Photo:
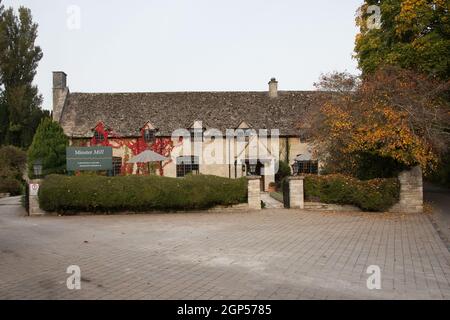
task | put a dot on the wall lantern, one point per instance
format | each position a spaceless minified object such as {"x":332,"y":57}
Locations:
{"x":252,"y":168}
{"x":37,"y":168}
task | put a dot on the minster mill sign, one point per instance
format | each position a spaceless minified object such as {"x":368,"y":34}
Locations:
{"x":89,"y":158}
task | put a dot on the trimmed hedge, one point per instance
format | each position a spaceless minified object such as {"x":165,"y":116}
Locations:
{"x":369,"y":195}
{"x":66,"y":194}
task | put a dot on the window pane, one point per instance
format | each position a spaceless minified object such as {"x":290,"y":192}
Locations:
{"x":117,"y":166}
{"x":197,"y":134}
{"x":98,"y":136}
{"x":149,"y":135}
{"x":186,"y":165}
{"x":310,"y":167}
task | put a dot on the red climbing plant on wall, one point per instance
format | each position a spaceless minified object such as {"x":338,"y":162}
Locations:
{"x":106,"y":137}
{"x":101,"y":135}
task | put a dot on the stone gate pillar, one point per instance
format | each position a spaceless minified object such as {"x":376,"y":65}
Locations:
{"x":411,"y":191}
{"x":296,"y":193}
{"x":254,"y":192}
{"x":33,"y":200}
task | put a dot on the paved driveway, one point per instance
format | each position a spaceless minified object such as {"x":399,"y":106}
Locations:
{"x":275,"y":254}
{"x":439,"y":198}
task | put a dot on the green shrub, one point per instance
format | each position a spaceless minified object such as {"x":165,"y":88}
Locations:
{"x":12,"y":166}
{"x":12,"y":158}
{"x":49,"y":146}
{"x":284,"y":170}
{"x":369,"y":195}
{"x":11,"y":186}
{"x":138,"y":193}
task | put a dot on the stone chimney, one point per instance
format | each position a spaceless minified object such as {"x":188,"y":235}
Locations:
{"x":60,"y":93}
{"x":273,"y":88}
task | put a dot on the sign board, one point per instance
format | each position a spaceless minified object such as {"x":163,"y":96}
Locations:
{"x":34,"y":189}
{"x":89,"y":158}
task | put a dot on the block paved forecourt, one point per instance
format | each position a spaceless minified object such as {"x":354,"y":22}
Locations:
{"x":272,"y":254}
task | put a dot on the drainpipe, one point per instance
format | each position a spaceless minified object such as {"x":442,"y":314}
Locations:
{"x":229,"y":157}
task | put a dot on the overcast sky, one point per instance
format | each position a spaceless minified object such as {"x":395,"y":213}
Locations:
{"x":197,"y":45}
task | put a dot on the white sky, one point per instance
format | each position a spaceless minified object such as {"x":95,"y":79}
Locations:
{"x":196,"y":45}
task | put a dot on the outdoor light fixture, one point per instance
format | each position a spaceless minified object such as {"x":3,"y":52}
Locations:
{"x":37,"y":168}
{"x":252,"y":168}
{"x":243,"y":167}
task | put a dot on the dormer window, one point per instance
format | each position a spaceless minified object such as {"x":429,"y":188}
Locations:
{"x":244,"y":131}
{"x":248,"y":132}
{"x":98,"y":135}
{"x":197,"y":131}
{"x":244,"y":134}
{"x":149,"y":135}
{"x":197,"y":134}
{"x":148,"y":132}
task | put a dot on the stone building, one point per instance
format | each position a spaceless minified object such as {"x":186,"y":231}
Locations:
{"x":134,"y":122}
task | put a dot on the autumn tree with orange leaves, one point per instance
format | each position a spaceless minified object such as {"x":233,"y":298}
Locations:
{"x":376,"y":126}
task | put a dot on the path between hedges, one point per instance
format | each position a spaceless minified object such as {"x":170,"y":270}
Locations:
{"x":272,"y":254}
{"x":270,"y":202}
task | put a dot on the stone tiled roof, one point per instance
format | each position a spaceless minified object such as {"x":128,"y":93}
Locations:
{"x":126,"y":113}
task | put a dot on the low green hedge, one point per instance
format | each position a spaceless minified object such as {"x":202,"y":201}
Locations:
{"x":66,"y":194}
{"x":369,"y":195}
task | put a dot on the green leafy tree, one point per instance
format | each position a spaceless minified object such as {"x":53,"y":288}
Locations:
{"x":49,"y":146}
{"x":3,"y":108}
{"x":414,"y":34}
{"x":20,"y":111}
